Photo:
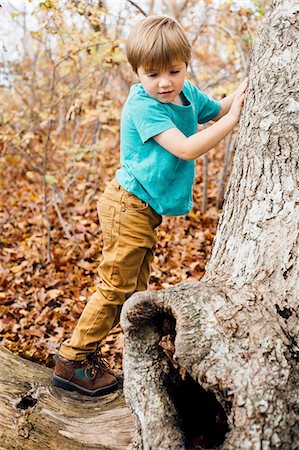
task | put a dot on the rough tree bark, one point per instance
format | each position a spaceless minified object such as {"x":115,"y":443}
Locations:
{"x":235,"y":332}
{"x":37,"y":416}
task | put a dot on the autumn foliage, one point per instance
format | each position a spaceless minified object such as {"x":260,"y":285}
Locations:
{"x":63,"y":96}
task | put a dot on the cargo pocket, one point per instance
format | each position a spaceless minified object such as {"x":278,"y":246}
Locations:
{"x":106,"y":216}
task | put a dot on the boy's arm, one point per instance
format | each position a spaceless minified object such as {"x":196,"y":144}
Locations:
{"x":192,"y":147}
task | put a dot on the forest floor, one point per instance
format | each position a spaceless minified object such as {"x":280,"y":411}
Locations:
{"x":40,"y":300}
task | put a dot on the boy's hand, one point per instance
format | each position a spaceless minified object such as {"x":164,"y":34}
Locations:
{"x":236,"y":107}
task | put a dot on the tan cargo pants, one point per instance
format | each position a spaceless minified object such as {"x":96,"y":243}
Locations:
{"x":128,"y":226}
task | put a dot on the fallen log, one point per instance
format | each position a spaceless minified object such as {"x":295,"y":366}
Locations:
{"x":36,"y":415}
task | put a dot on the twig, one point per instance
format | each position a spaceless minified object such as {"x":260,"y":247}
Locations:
{"x":138,"y":7}
{"x":95,"y":186}
{"x":82,"y":140}
{"x":234,"y":37}
{"x":59,"y":215}
{"x":96,"y":131}
{"x":58,"y":193}
{"x":45,"y":166}
{"x":70,"y":55}
{"x":71,"y":90}
{"x":194,"y":75}
{"x":72,"y":180}
{"x":30,"y":159}
{"x":45,"y":209}
{"x":177,"y":12}
{"x":211,"y":83}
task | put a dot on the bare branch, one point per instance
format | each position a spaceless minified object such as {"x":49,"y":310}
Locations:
{"x":57,"y":193}
{"x":138,"y":7}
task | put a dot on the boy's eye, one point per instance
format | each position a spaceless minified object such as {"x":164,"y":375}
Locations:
{"x":172,"y":72}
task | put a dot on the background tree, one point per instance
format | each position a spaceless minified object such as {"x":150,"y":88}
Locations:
{"x":235,"y":332}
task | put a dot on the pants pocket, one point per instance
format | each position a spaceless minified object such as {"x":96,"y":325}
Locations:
{"x":130,"y":201}
{"x":106,"y":216}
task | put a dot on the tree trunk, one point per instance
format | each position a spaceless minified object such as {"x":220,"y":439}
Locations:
{"x":36,"y":415}
{"x":235,"y":333}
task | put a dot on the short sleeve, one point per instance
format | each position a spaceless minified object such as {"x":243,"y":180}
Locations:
{"x":149,"y":117}
{"x":208,"y":108}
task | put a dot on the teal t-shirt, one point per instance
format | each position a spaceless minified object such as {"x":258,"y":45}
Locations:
{"x":149,"y":171}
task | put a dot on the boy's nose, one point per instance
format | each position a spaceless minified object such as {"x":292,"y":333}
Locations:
{"x":164,"y":82}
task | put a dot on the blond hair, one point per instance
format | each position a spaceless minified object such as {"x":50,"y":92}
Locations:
{"x":157,"y":42}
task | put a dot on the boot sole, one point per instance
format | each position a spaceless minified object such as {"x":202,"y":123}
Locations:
{"x":69,"y":386}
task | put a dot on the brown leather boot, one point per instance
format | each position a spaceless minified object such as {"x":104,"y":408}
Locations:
{"x":89,"y":377}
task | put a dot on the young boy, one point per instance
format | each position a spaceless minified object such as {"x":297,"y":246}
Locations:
{"x":159,"y":143}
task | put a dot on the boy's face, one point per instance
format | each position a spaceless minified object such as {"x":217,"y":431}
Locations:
{"x":166,"y":85}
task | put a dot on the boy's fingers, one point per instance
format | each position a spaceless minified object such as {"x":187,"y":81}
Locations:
{"x":242,"y":89}
{"x":243,"y":86}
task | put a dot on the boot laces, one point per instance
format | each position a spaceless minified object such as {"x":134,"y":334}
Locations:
{"x":95,"y":363}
